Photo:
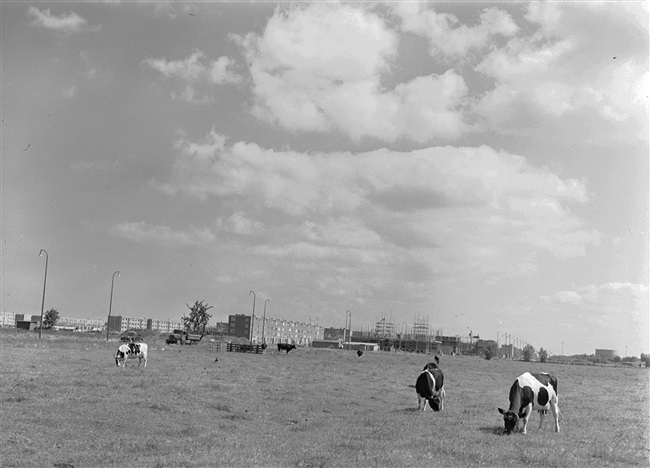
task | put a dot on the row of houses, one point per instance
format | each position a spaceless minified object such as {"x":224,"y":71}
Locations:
{"x":257,"y":329}
{"x":119,"y":323}
{"x":116,"y":323}
{"x":271,"y":330}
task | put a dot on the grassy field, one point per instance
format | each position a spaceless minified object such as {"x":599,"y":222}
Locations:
{"x":66,"y":404}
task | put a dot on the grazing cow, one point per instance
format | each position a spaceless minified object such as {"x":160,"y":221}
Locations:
{"x":531,"y":392}
{"x":138,"y":350}
{"x":359,"y":353}
{"x":430,"y":387}
{"x":286,"y":347}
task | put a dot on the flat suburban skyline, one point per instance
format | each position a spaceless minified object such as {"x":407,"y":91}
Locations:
{"x":480,"y":165}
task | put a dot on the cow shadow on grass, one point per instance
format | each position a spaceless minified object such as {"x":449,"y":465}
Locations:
{"x":494,"y":430}
{"x":410,"y":409}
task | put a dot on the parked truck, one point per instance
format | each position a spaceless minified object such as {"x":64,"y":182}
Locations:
{"x":182,"y":337}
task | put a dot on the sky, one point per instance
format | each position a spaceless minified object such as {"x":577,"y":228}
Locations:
{"x":482,"y":167}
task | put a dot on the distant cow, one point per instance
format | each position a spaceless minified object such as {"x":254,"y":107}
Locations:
{"x":531,"y":392}
{"x":430,"y":387}
{"x":359,"y":353}
{"x":286,"y":347}
{"x":134,"y":350}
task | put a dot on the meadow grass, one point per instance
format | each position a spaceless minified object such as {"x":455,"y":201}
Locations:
{"x":65,"y":403}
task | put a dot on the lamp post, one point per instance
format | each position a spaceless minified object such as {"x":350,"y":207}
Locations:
{"x":264,"y":321}
{"x":348,"y":326}
{"x":40,"y":329}
{"x":253,"y":319}
{"x":110,"y":304}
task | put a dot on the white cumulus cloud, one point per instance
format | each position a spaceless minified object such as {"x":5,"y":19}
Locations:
{"x":303,"y":81}
{"x":443,"y":207}
{"x":446,"y":35}
{"x":66,"y":23}
{"x":196,"y":73}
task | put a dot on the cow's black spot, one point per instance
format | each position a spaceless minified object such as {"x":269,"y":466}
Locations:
{"x":542,"y":397}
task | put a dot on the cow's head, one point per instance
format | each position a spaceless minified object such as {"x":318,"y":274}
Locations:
{"x":118,"y":357}
{"x":510,"y":420}
{"x":435,"y":402}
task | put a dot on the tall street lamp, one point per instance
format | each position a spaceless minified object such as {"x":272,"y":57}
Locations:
{"x":348,"y":326}
{"x":110,"y":305}
{"x":264,"y":321}
{"x":253,"y":319}
{"x":40,"y":329}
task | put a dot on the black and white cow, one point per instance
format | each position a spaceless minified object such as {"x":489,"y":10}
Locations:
{"x":359,"y":353}
{"x":531,"y":392}
{"x":134,"y":350}
{"x":286,"y":347}
{"x":430,"y":387}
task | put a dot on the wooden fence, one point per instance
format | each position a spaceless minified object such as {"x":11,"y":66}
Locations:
{"x":246,"y":348}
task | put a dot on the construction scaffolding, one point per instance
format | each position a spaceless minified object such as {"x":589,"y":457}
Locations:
{"x":420,"y":326}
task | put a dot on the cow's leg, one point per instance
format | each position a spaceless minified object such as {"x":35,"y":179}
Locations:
{"x":556,"y":415}
{"x":541,"y":418}
{"x":145,"y":360}
{"x":526,"y":412}
{"x":442,"y":399}
{"x":420,"y":400}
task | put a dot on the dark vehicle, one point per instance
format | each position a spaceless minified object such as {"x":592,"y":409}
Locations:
{"x":131,"y":336}
{"x":182,"y":337}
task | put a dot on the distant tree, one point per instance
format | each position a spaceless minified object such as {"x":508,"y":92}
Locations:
{"x":543,"y":355}
{"x":198,"y":318}
{"x":528,"y":353}
{"x":490,"y":351}
{"x":50,"y":318}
